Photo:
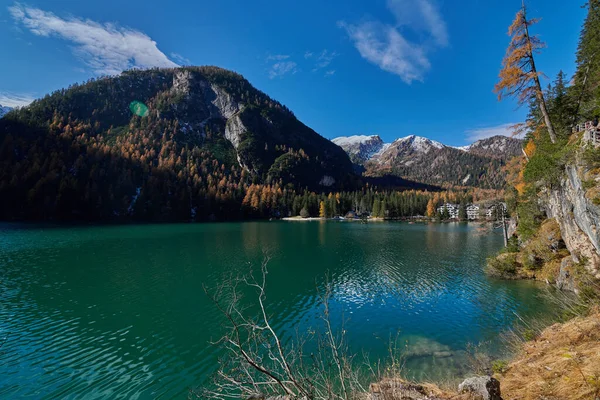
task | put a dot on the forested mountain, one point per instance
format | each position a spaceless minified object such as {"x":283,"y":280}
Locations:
{"x":424,"y":160}
{"x":158,"y":144}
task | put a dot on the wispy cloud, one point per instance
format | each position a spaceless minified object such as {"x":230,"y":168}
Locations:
{"x":180,"y":59}
{"x":277,"y":57}
{"x":324,"y":59}
{"x":420,"y":16}
{"x":105,"y":48}
{"x":15,"y":99}
{"x":388,"y":45}
{"x":285,"y":64}
{"x":282,"y":68}
{"x":483,"y":133}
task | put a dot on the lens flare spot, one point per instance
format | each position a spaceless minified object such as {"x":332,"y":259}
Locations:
{"x":139,"y":108}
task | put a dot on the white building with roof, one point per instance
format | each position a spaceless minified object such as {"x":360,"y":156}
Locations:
{"x":473,"y":211}
{"x":452,"y":209}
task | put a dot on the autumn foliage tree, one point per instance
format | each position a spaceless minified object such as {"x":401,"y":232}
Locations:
{"x":430,"y":208}
{"x":519,"y":76}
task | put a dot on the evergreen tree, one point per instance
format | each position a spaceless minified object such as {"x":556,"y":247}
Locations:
{"x":561,"y":105}
{"x":376,"y":207}
{"x":462,"y":211}
{"x":445,"y":214}
{"x":587,"y":77}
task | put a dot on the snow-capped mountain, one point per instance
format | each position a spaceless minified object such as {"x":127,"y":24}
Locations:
{"x":4,"y":110}
{"x":363,"y":148}
{"x":495,"y":147}
{"x":360,"y":148}
{"x":429,"y":161}
{"x":405,"y":150}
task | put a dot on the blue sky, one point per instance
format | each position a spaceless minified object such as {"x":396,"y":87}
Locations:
{"x":388,"y":67}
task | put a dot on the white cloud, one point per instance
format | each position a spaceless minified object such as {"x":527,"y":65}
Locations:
{"x":180,"y":59}
{"x":483,"y":133}
{"x":15,"y":100}
{"x":387,"y":45}
{"x":308,"y":54}
{"x":331,"y":72}
{"x":282,"y":68}
{"x":277,"y":57}
{"x":105,"y":48}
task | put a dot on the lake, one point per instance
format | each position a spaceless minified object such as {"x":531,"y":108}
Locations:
{"x":120,"y":311}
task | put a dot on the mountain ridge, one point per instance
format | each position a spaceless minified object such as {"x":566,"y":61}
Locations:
{"x":424,"y":160}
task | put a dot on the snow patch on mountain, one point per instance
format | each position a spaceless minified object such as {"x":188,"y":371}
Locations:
{"x":360,"y":148}
{"x":4,"y":110}
{"x":420,"y":143}
{"x":382,"y":150}
{"x":353,"y":140}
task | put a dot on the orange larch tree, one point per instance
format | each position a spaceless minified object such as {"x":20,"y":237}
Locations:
{"x":519,"y":76}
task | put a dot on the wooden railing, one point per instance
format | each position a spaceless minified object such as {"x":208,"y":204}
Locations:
{"x":591,"y":132}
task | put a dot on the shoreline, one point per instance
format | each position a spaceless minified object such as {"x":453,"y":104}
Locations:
{"x":413,"y":220}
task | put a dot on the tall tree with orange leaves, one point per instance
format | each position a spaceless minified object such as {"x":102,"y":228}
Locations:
{"x":519,"y":76}
{"x":430,"y":208}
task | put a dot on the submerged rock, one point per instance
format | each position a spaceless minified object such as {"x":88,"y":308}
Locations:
{"x":485,"y":386}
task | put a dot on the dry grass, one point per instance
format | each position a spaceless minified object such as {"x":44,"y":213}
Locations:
{"x":563,"y":363}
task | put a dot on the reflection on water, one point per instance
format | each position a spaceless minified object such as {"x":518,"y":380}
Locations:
{"x":102,"y":312}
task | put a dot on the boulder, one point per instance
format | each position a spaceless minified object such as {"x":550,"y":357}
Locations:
{"x":485,"y":386}
{"x":398,"y":389}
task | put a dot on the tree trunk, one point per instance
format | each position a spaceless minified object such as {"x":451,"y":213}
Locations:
{"x":504,"y":230}
{"x":540,"y":93}
{"x":544,"y":111}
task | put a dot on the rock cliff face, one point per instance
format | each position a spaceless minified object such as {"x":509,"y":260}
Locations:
{"x":578,"y":218}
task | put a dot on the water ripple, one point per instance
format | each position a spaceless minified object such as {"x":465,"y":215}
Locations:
{"x":119,"y":312}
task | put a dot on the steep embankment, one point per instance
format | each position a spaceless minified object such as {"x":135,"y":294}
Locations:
{"x":565,"y":248}
{"x":577,"y":213}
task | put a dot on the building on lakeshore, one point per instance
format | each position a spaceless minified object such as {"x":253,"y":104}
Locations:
{"x":473,"y":212}
{"x":452,"y":210}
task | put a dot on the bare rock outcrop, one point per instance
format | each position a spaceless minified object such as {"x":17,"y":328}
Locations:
{"x":577,"y":216}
